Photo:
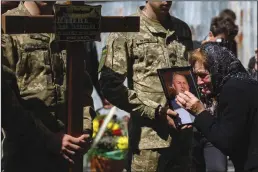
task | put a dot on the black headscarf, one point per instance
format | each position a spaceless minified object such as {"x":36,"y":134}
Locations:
{"x":223,"y":65}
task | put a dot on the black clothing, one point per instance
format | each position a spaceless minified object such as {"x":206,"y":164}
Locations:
{"x":236,"y":129}
{"x":206,"y":157}
{"x":26,"y":133}
{"x":233,"y":48}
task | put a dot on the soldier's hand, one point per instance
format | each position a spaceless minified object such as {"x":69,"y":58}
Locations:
{"x":170,"y":120}
{"x":72,"y":146}
{"x":169,"y":115}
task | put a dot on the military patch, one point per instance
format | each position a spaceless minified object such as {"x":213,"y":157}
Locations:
{"x":103,"y":58}
{"x":36,"y":46}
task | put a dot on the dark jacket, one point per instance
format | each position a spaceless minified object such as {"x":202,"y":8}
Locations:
{"x":25,"y":131}
{"x":235,"y":131}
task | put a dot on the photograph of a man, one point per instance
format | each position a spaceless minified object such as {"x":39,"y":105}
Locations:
{"x":180,"y":85}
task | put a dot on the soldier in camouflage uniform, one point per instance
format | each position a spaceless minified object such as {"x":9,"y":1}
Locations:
{"x":39,"y":64}
{"x":162,"y":42}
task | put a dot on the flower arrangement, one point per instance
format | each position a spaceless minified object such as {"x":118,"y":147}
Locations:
{"x":113,"y":144}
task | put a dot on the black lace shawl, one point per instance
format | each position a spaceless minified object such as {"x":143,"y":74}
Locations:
{"x":223,"y":65}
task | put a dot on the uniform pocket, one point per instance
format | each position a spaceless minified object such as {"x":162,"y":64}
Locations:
{"x":146,"y":160}
{"x":33,"y":65}
{"x":176,"y":52}
{"x":146,"y":51}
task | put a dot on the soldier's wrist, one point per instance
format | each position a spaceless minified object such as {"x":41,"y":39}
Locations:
{"x":157,"y":111}
{"x":160,"y":111}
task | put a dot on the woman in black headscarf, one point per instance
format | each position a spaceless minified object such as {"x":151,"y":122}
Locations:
{"x":234,"y":131}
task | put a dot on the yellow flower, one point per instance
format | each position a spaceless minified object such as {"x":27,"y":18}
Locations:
{"x":115,"y":126}
{"x":95,"y":125}
{"x":122,"y":143}
{"x":94,"y":134}
{"x":110,"y":124}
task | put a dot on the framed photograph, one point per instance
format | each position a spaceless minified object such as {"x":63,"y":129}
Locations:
{"x":175,"y":80}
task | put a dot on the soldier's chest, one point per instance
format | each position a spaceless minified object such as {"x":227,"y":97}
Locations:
{"x":37,"y":53}
{"x":159,"y":51}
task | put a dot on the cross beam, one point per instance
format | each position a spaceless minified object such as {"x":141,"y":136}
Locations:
{"x":45,"y":24}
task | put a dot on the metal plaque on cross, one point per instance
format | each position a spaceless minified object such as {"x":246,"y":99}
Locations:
{"x":77,"y":23}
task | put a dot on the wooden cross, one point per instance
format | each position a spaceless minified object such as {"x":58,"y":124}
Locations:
{"x":75,"y":54}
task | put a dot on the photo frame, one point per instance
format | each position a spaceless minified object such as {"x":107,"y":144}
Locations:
{"x":175,"y":80}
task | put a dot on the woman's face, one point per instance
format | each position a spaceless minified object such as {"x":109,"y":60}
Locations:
{"x":203,"y":78}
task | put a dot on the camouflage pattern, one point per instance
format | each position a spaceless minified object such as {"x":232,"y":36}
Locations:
{"x":137,"y":56}
{"x":162,"y":160}
{"x":146,"y":160}
{"x":39,"y":64}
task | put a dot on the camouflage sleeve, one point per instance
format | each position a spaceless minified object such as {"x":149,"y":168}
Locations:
{"x":113,"y":68}
{"x":9,"y":52}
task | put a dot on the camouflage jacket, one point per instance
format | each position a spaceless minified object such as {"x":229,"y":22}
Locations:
{"x":137,"y":56}
{"x":39,"y":63}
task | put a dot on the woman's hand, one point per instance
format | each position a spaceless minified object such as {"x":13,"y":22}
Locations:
{"x":188,"y":101}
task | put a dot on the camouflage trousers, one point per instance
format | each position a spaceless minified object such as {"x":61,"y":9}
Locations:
{"x":176,"y":158}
